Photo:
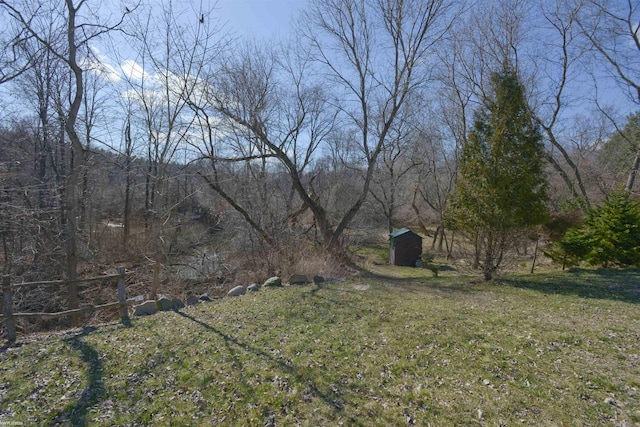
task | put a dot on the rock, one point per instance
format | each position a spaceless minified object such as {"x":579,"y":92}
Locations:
{"x":205,"y":298}
{"x":273,"y":282}
{"x":237,"y":291}
{"x":146,"y":308}
{"x":298,"y":279}
{"x":254,"y":287}
{"x":192,"y":300}
{"x":165,"y":303}
{"x":177,"y":304}
{"x":318,"y":279}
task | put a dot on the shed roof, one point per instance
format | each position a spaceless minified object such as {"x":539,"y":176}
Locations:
{"x":400,"y":232}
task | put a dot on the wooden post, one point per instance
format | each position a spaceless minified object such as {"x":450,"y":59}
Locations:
{"x":122,"y":296}
{"x":8,"y":309}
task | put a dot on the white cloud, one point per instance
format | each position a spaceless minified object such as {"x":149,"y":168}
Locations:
{"x":98,"y":63}
{"x":132,"y":70}
{"x":108,"y":72}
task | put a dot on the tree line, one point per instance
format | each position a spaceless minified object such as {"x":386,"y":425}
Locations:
{"x":156,"y":121}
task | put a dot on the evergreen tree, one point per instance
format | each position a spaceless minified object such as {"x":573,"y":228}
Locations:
{"x":501,"y":188}
{"x":609,"y":236}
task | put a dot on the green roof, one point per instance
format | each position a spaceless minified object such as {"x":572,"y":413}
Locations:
{"x":399,"y":232}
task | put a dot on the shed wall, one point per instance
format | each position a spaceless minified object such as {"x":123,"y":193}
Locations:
{"x":406,"y":250}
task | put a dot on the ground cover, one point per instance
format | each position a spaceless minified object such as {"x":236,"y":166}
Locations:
{"x":379,"y":349}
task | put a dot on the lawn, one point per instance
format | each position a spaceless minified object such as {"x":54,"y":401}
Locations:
{"x":544,"y":349}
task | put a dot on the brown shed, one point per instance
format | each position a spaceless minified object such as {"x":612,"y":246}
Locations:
{"x":405,"y":247}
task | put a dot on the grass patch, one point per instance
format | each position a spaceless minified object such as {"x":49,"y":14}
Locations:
{"x":374,"y":254}
{"x":555,"y":349}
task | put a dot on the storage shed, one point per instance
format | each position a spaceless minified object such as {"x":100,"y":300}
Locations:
{"x":405,"y":247}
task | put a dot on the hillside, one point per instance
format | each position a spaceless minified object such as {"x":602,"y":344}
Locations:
{"x":561,"y":349}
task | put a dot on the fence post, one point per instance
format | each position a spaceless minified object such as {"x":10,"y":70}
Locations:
{"x":8,"y":309}
{"x":122,"y":296}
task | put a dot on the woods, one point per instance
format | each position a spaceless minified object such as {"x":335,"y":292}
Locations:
{"x":152,"y":134}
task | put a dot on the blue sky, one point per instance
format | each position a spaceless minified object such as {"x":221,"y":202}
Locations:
{"x":259,"y":18}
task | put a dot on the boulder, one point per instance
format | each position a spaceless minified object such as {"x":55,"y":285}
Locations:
{"x":318,"y":279}
{"x":273,"y":282}
{"x":177,"y":303}
{"x":254,"y":287}
{"x":146,"y":308}
{"x":165,"y":303}
{"x":237,"y":291}
{"x":192,"y":300}
{"x":298,"y":279}
{"x":205,"y":298}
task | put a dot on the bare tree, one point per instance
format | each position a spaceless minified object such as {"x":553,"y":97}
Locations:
{"x":13,"y":62}
{"x":35,"y":21}
{"x":38,"y":85}
{"x":29,"y":231}
{"x":171,"y":54}
{"x":256,"y":109}
{"x":435,"y":181}
{"x":553,"y":85}
{"x":374,"y":54}
{"x":92,"y":114}
{"x":613,"y":32}
{"x":401,"y":155}
{"x":37,"y":91}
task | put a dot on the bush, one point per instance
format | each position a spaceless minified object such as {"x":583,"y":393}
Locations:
{"x":609,"y":236}
{"x":571,"y":250}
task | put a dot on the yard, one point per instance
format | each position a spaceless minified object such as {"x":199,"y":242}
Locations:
{"x":379,"y":349}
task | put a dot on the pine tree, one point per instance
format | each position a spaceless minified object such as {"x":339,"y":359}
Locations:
{"x":501,"y":188}
{"x":609,"y":236}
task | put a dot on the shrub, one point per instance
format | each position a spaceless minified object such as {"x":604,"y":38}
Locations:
{"x":609,"y":236}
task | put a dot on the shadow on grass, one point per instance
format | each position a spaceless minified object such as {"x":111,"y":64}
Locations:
{"x":332,"y":300}
{"x":331,"y":398}
{"x":76,"y":413}
{"x":611,"y":284}
{"x":450,"y":285}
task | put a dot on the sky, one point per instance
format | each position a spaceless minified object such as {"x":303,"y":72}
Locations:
{"x":260,"y":18}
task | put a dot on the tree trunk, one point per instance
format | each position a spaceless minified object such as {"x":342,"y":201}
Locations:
{"x":127,"y":203}
{"x":83,"y":224}
{"x":634,"y":171}
{"x":71,"y":202}
{"x":489,"y":260}
{"x":535,"y":256}
{"x":563,"y":174}
{"x":70,"y":207}
{"x":414,"y":205}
